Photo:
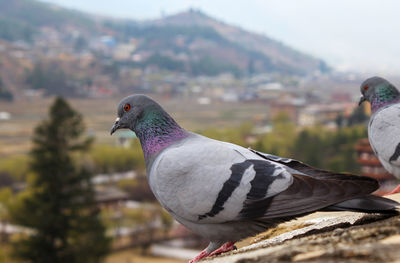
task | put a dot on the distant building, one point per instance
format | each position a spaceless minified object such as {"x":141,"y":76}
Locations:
{"x":341,"y":97}
{"x":372,"y":167}
{"x":123,"y":52}
{"x":290,"y":107}
{"x":324,"y":113}
{"x":271,"y":91}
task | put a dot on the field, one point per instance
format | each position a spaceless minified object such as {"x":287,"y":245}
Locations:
{"x":99,"y":115}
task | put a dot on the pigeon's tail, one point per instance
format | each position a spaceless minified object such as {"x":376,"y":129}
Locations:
{"x":360,"y":187}
{"x":367,"y":204}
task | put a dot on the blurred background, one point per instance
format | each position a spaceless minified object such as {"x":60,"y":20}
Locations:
{"x":281,"y":77}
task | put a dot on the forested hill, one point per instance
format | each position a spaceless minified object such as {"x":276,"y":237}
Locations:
{"x":264,"y":48}
{"x":190,"y":41}
{"x":22,"y":19}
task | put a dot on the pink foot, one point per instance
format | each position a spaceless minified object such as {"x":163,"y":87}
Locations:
{"x":395,"y":191}
{"x":228,"y":246}
{"x":202,"y":255}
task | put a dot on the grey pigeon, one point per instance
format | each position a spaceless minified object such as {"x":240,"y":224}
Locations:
{"x":384,"y":124}
{"x":225,"y":192}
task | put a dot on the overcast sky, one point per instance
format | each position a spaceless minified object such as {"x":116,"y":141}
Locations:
{"x":361,"y":35}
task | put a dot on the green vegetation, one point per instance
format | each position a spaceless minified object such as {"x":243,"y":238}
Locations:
{"x":31,"y":14}
{"x":59,"y":204}
{"x":101,"y":158}
{"x":317,"y":146}
{"x":109,"y":159}
{"x":13,"y":29}
{"x":331,"y":150}
{"x":233,"y":135}
{"x":165,"y":62}
{"x":17,"y":167}
{"x":358,"y":116}
{"x":21,"y":19}
{"x":51,"y":78}
{"x":281,"y":140}
{"x":211,"y":67}
{"x":164,"y":33}
{"x":4,"y":93}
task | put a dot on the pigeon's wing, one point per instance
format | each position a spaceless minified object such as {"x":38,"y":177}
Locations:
{"x":384,"y":134}
{"x":305,"y":195}
{"x":312,"y":189}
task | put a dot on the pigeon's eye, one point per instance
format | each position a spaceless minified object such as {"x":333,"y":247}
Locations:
{"x":365,"y":88}
{"x":127,"y":107}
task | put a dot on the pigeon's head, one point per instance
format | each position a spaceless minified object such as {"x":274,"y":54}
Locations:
{"x":377,"y":89}
{"x":131,"y":109}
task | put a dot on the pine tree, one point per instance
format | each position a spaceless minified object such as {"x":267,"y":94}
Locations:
{"x":59,"y":206}
{"x":4,"y":93}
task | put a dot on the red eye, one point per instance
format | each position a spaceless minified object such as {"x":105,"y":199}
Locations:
{"x":127,"y":107}
{"x":365,"y":88}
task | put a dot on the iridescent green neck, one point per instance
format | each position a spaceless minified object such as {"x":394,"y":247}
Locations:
{"x":384,"y":95}
{"x":156,"y":131}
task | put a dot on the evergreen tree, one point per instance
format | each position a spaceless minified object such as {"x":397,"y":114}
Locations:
{"x":50,"y":78}
{"x":358,"y":116}
{"x":59,"y":205}
{"x":4,"y":93}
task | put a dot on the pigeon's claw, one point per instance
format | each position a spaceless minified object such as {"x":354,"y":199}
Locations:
{"x":228,"y":246}
{"x":202,"y":255}
{"x":395,"y":191}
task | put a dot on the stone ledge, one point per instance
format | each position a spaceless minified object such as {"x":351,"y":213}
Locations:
{"x":325,"y":237}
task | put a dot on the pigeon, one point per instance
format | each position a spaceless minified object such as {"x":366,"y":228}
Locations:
{"x":384,"y":123}
{"x":225,"y":192}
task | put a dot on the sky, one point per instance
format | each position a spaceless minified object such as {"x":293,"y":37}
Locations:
{"x":355,"y":35}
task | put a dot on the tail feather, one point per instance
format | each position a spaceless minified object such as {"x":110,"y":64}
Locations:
{"x":367,"y":204}
{"x":358,"y":190}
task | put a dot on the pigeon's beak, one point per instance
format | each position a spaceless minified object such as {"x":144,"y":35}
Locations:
{"x":362,"y":99}
{"x":116,"y":126}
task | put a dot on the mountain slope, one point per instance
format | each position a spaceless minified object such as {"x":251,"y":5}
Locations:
{"x":21,"y":19}
{"x":191,"y":41}
{"x":282,"y":56}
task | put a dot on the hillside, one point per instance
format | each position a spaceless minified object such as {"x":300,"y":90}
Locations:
{"x":22,"y":19}
{"x":190,"y":42}
{"x":201,"y":44}
{"x":280,"y":56}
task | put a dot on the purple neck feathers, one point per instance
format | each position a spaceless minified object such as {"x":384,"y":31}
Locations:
{"x":157,"y":131}
{"x":376,"y":104}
